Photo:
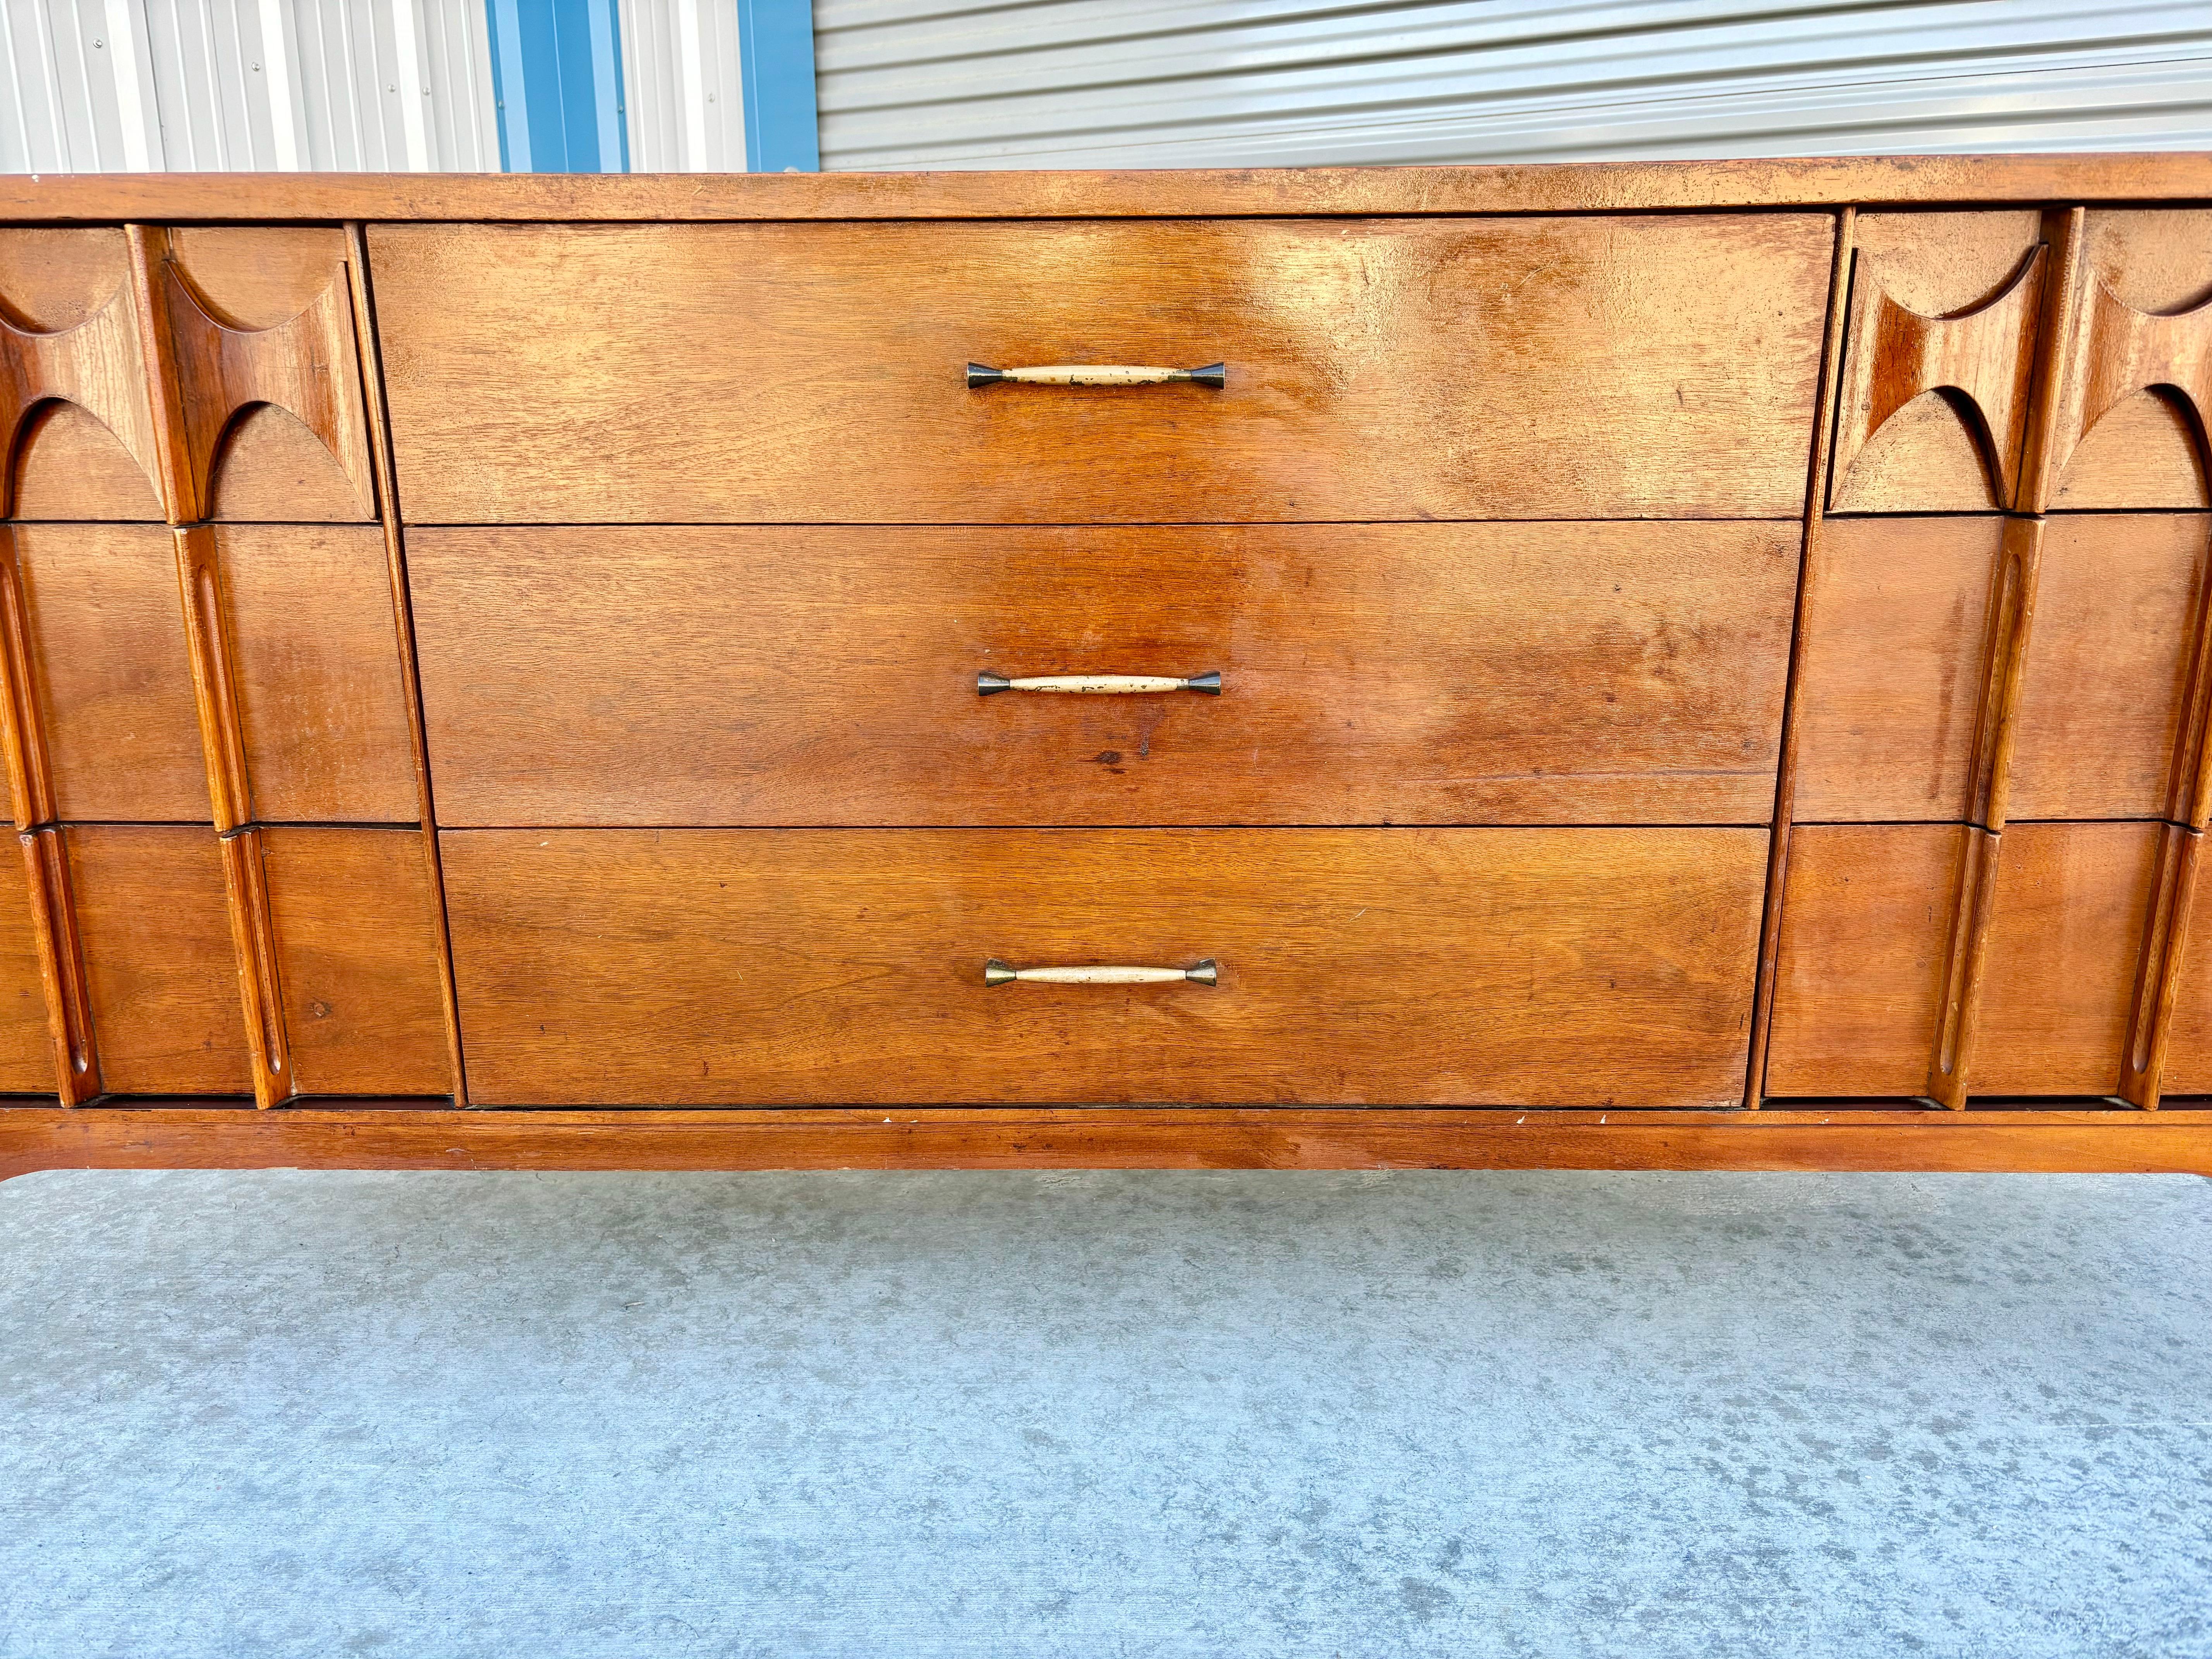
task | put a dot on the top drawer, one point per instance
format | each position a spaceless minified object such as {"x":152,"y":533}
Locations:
{"x":1629,"y":366}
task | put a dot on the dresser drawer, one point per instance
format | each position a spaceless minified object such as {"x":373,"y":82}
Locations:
{"x":1867,"y":926}
{"x":1536,"y":967}
{"x":1598,"y":366}
{"x":1897,"y":642}
{"x":1397,"y":673}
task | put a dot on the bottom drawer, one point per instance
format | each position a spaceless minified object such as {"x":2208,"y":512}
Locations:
{"x":161,"y":971}
{"x":1395,"y":966}
{"x":1867,"y":926}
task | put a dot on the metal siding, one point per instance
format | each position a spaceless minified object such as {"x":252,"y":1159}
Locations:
{"x":263,"y":85}
{"x":683,"y":86}
{"x":1150,"y":83}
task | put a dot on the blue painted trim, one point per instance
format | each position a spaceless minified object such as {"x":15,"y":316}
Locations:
{"x":775,"y":46}
{"x":507,"y":48}
{"x":556,"y":78}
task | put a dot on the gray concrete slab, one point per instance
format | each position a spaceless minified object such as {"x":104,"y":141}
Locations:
{"x":1104,"y":1415}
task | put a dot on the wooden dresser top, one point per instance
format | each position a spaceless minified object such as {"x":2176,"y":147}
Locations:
{"x":1581,"y":187}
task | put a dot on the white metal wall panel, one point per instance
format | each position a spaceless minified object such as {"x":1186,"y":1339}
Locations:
{"x":1150,"y":83}
{"x":261,"y":85}
{"x":683,"y":86}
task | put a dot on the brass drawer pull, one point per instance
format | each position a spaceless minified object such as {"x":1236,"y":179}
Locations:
{"x":996,"y":972}
{"x":1214,"y":375}
{"x":1100,"y":684}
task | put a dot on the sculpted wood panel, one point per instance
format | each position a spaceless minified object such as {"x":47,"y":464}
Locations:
{"x":1866,"y":928}
{"x":1589,"y":674}
{"x":2137,"y":389}
{"x":111,"y":684}
{"x":676,"y":967}
{"x":363,"y":1010}
{"x":76,"y":430}
{"x":1939,"y":357}
{"x":158,"y":959}
{"x":1637,"y":367}
{"x":258,"y":323}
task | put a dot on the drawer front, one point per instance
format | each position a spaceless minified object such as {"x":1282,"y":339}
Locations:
{"x":351,"y":911}
{"x":160,"y":968}
{"x":1403,"y":673}
{"x":1867,"y":926}
{"x":110,"y":680}
{"x":1376,"y":369}
{"x":1897,"y":641}
{"x":313,"y":648}
{"x":1479,"y":967}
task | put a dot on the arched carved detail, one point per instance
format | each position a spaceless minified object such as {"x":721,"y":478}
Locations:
{"x":1981,"y":359}
{"x":308,"y":366}
{"x":97,"y":365}
{"x":2119,"y":351}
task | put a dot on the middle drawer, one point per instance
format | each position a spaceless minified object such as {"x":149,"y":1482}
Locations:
{"x":1439,"y":673}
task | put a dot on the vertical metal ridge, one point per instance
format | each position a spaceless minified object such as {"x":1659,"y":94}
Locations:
{"x":1130,"y":83}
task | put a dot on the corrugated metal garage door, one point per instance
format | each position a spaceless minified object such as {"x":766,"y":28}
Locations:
{"x":1150,"y":83}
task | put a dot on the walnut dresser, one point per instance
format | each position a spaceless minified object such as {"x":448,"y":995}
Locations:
{"x":1679,"y":664}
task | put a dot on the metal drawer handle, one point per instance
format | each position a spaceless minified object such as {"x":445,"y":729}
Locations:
{"x":1100,"y":684}
{"x":996,"y":972}
{"x":1213,"y":374}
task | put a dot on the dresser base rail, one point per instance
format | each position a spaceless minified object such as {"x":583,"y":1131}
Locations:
{"x":416,"y":1135}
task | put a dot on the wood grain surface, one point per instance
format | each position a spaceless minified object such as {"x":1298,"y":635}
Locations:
{"x":1431,"y":673}
{"x":1604,"y":367}
{"x":2188,"y":1067}
{"x":1896,"y":635}
{"x":1890,"y":666}
{"x":364,"y":1011}
{"x":113,"y":684}
{"x":1866,"y":925}
{"x":322,"y":700}
{"x":1400,"y":966}
{"x":27,"y":1047}
{"x":2071,"y":903}
{"x":391,"y":1137}
{"x":159,"y":959}
{"x":2119,"y":603}
{"x":1600,"y":186}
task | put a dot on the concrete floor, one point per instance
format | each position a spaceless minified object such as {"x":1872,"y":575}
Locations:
{"x":1104,"y":1415}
